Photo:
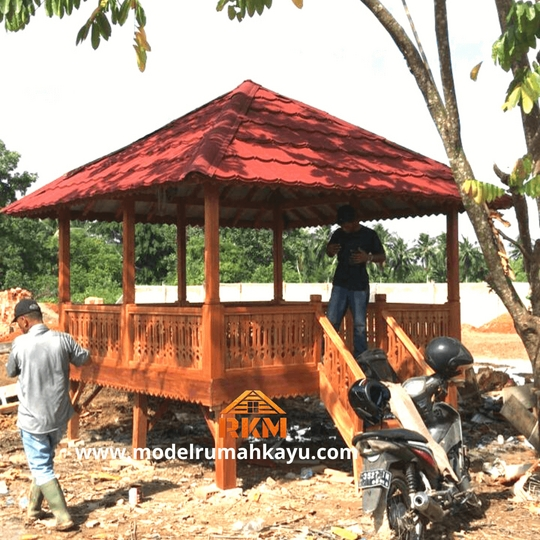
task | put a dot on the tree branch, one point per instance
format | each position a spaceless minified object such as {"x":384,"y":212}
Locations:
{"x":447,"y":76}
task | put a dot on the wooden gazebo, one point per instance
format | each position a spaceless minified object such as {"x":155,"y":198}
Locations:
{"x":250,"y":158}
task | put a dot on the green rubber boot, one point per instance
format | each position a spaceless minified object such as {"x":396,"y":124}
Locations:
{"x":35,"y":499}
{"x":57,"y":503}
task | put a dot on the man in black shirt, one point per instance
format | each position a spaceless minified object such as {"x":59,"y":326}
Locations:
{"x":355,"y":245}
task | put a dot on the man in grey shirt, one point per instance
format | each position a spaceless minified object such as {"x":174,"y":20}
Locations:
{"x":40,"y":358}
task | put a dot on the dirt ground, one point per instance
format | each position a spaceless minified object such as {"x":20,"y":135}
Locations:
{"x":274,"y":500}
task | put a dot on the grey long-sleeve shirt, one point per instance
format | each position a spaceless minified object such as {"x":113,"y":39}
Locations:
{"x":41,"y":359}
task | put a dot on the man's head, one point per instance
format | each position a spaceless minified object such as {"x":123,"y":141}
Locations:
{"x":27,"y":313}
{"x":347,"y":218}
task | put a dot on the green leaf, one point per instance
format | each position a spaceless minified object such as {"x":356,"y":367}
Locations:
{"x":513,"y":99}
{"x":221,"y":4}
{"x":124,"y":12}
{"x":95,"y":38}
{"x":103,"y":25}
{"x":83,"y":34}
{"x":532,"y":187}
{"x":4,"y":6}
{"x":527,"y":101}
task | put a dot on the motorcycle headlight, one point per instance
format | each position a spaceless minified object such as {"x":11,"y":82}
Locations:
{"x":415,"y":387}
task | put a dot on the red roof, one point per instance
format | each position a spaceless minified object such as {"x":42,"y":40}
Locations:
{"x":263,"y":149}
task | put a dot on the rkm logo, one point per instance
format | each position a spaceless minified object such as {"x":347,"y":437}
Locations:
{"x":259,"y":417}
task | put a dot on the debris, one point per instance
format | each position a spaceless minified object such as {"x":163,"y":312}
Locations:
{"x":522,"y":419}
{"x":344,"y":533}
{"x":527,"y":488}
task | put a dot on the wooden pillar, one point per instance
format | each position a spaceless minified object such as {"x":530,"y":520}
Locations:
{"x":73,"y":423}
{"x":316,"y":301}
{"x":211,"y":244}
{"x":212,"y":310}
{"x":381,"y":328}
{"x":128,"y":265}
{"x":452,"y":273}
{"x":181,"y":247}
{"x":213,"y":328}
{"x":64,"y":258}
{"x":278,"y":255}
{"x":140,"y":422}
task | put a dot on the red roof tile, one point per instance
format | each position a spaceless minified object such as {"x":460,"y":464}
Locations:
{"x":262,"y":149}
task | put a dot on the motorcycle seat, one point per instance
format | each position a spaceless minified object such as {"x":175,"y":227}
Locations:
{"x":399,"y":434}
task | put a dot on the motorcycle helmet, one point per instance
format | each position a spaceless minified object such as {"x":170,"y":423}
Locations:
{"x":369,"y":399}
{"x":445,"y":355}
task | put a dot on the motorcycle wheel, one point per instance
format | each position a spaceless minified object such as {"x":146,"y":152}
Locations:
{"x":403,"y":521}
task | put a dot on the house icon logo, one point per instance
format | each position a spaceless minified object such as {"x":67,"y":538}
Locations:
{"x":253,"y":413}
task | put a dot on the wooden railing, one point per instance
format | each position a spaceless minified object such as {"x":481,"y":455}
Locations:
{"x":165,"y":336}
{"x":269,"y":336}
{"x":265,"y":343}
{"x":97,"y":328}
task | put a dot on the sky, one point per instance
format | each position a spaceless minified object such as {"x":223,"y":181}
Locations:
{"x":64,"y":105}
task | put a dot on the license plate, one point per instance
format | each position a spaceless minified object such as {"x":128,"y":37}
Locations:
{"x":375,"y":478}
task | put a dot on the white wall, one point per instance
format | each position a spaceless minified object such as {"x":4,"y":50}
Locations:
{"x":478,"y":304}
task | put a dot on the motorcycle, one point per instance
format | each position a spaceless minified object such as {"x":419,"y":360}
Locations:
{"x":401,"y":478}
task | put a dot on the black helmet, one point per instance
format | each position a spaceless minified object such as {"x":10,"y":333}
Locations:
{"x":445,"y":355}
{"x":369,"y":399}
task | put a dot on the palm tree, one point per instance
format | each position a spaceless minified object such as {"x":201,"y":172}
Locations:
{"x":424,"y":251}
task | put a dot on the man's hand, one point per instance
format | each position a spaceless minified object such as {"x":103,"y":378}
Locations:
{"x":332,"y":249}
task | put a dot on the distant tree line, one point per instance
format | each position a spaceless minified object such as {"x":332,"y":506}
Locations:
{"x":29,"y":257}
{"x":29,"y":253}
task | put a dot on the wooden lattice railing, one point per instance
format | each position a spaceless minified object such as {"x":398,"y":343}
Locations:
{"x":166,"y":337}
{"x":269,"y":336}
{"x":97,"y":328}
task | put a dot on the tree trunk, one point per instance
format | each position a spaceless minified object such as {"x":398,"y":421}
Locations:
{"x":445,"y":115}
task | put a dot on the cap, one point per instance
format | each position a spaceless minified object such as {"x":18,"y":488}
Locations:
{"x":25,"y":306}
{"x":345,"y":214}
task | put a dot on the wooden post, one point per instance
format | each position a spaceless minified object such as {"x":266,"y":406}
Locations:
{"x":316,"y":300}
{"x":226,"y":447}
{"x":213,"y":328}
{"x":128,"y":276}
{"x":128,"y":265}
{"x":73,"y":424}
{"x":278,"y":255}
{"x":140,"y":421}
{"x":211,"y":244}
{"x":181,"y":247}
{"x":381,"y":328}
{"x":64,"y":273}
{"x":452,"y":273}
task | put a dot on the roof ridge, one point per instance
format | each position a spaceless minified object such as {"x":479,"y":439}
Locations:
{"x":214,"y":143}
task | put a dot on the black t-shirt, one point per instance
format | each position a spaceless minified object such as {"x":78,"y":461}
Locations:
{"x":354,"y":276}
